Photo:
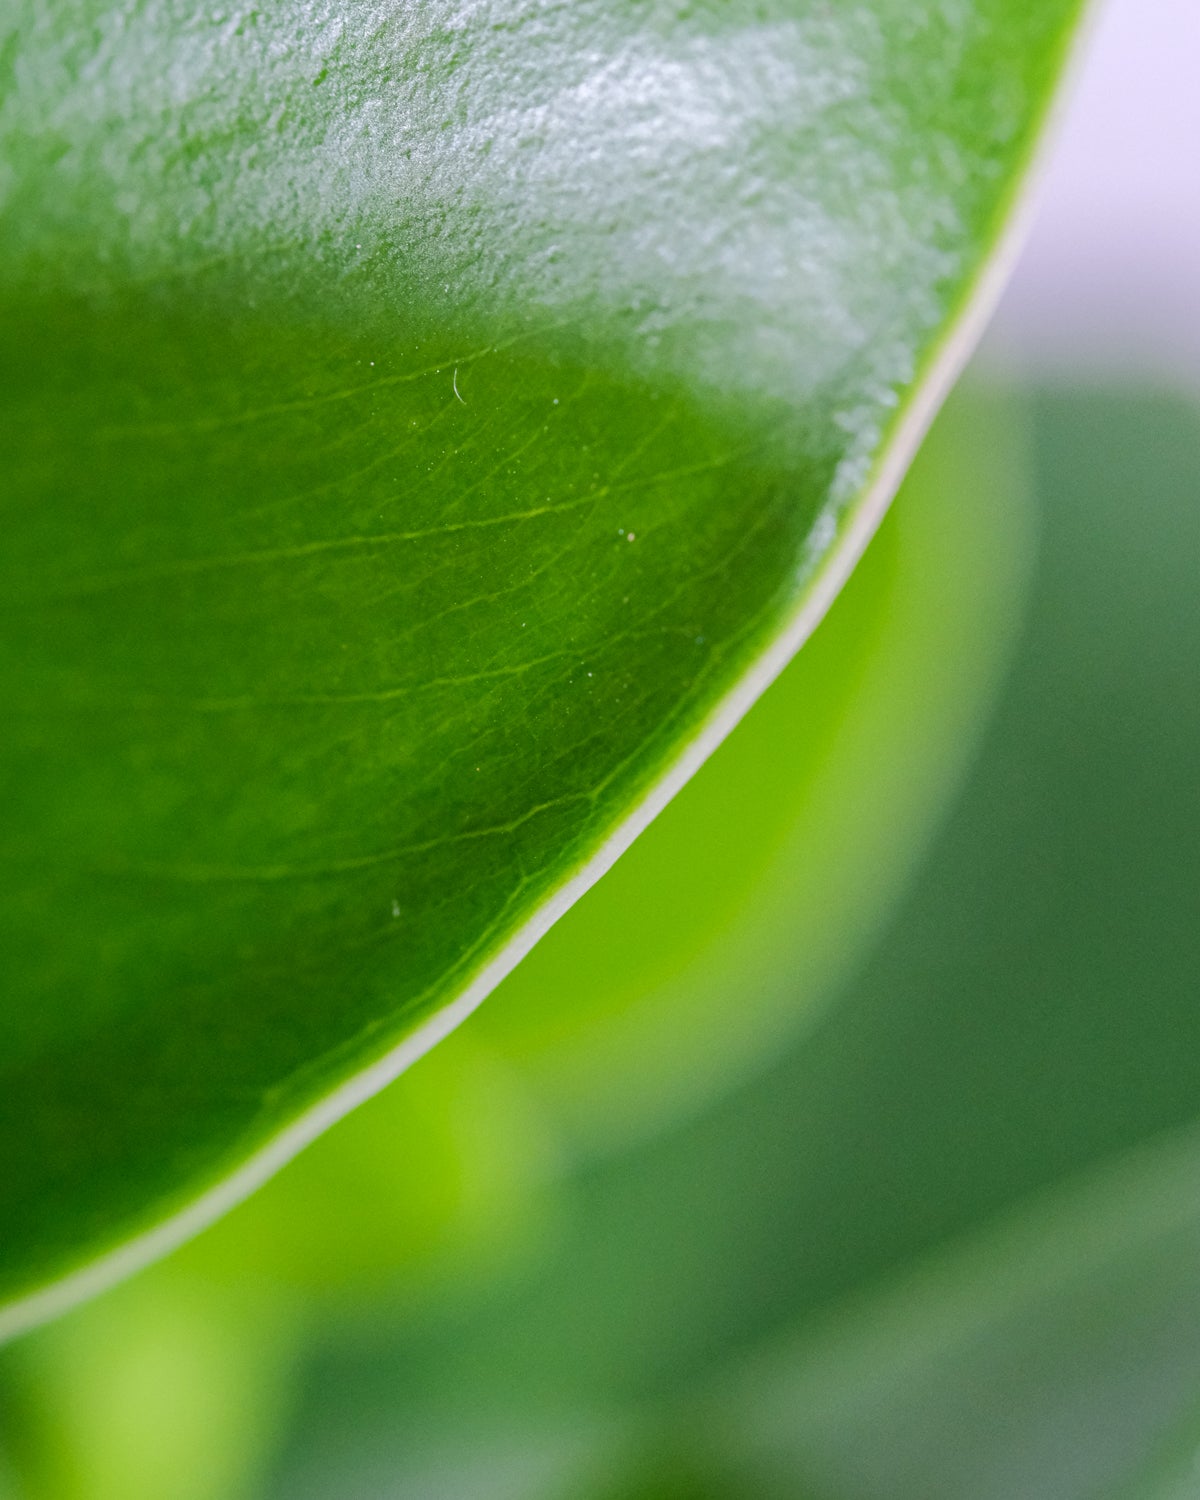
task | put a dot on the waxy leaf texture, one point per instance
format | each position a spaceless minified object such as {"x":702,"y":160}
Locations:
{"x":426,"y":428}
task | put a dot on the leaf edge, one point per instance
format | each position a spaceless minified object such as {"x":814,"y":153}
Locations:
{"x":944,"y":361}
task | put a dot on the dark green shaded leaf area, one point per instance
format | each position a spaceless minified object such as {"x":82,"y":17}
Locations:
{"x":415,"y":420}
{"x":947,"y":1249}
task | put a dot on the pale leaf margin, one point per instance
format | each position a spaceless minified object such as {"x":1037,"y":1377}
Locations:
{"x":942,"y":367}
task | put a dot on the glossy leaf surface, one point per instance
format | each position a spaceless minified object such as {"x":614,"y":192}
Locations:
{"x":425,"y":427}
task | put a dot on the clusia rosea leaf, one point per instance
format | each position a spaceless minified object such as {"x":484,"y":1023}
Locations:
{"x":427,"y":427}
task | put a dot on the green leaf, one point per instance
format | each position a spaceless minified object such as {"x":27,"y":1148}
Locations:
{"x":425,"y":431}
